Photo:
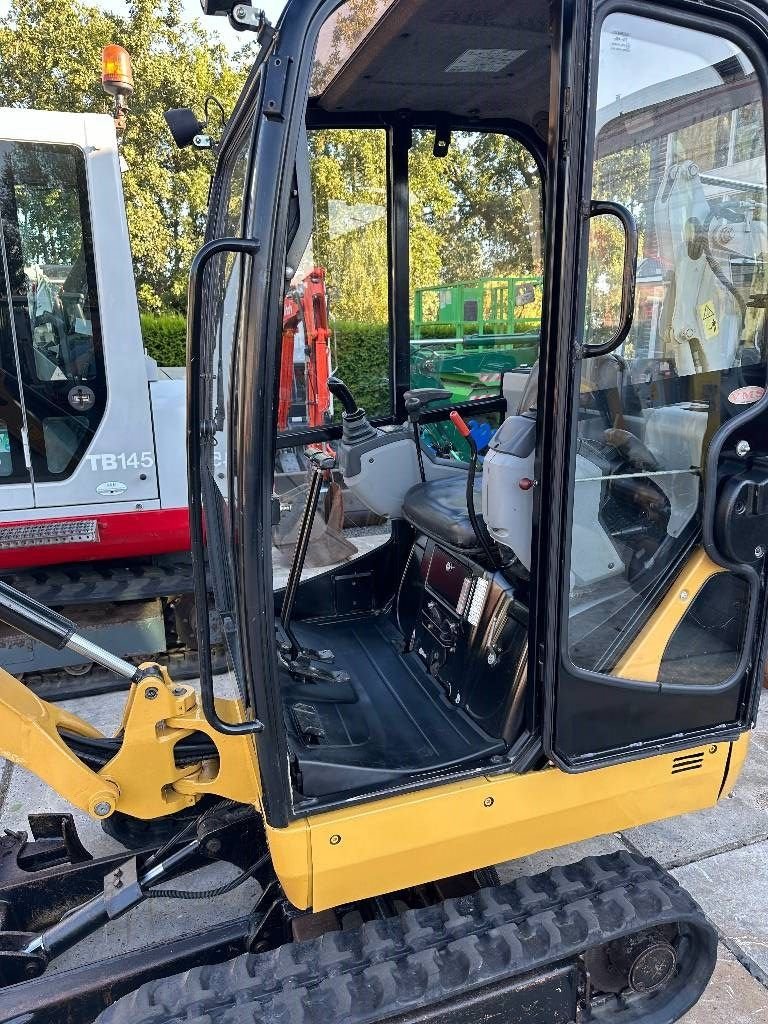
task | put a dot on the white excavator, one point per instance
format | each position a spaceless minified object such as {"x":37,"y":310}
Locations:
{"x":93,"y":498}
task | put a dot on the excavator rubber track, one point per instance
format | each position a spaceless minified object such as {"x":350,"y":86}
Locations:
{"x":520,"y":952}
{"x":109,"y":584}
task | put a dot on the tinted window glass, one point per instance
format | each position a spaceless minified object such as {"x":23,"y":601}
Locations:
{"x":680,"y":143}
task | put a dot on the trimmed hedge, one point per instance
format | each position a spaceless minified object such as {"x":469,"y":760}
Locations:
{"x":361,"y":352}
{"x":440,"y":332}
{"x":165,"y":337}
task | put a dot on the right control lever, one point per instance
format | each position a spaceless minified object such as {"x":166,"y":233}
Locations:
{"x":340,"y":391}
{"x":479,"y":527}
{"x":416,"y":402}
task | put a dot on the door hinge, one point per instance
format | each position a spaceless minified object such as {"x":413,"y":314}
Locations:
{"x":26,"y":448}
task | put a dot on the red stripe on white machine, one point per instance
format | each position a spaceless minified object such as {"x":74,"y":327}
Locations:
{"x":31,"y":543}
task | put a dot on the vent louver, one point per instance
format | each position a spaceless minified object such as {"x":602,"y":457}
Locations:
{"x":688,"y":762}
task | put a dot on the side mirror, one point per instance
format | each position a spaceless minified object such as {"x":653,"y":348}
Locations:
{"x":611,"y":273}
{"x":186,"y":128}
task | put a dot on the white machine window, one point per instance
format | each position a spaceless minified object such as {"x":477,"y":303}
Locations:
{"x":53,"y":339}
{"x":49,"y":214}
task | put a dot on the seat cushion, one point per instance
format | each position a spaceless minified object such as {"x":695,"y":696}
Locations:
{"x":439,"y":509}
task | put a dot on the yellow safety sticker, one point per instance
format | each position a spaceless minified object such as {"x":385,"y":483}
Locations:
{"x":709,"y":319}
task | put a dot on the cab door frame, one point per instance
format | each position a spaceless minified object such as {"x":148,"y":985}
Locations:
{"x":574,"y":85}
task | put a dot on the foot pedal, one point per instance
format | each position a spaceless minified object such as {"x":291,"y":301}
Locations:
{"x":308,"y":723}
{"x":303,"y":668}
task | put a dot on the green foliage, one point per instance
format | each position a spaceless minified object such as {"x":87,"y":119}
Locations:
{"x":493,"y":328}
{"x":350,"y":223}
{"x":474,"y":213}
{"x":165,"y":337}
{"x":361,"y":356}
{"x":50,"y":58}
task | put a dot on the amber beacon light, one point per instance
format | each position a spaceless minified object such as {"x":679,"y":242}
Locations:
{"x":117,"y":77}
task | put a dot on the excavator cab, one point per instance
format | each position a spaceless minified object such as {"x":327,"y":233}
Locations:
{"x":583,"y":587}
{"x":491,"y":571}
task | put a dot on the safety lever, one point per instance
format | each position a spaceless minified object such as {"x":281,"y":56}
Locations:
{"x":478,"y":526}
{"x":55,"y":630}
{"x":298,"y":659}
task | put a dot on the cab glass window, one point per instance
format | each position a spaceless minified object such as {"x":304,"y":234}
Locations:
{"x":336,"y":320}
{"x":680,"y":143}
{"x":223,"y":302}
{"x":476,"y":267}
{"x":336,"y":308}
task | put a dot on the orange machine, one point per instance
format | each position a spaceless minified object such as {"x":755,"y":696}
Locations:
{"x":306,"y":306}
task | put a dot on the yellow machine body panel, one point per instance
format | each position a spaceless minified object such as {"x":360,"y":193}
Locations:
{"x":383,"y":846}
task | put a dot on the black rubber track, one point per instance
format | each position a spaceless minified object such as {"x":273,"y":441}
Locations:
{"x":99,"y":583}
{"x":400,"y":967}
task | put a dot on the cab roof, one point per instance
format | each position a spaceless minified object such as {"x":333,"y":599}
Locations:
{"x":488,"y":60}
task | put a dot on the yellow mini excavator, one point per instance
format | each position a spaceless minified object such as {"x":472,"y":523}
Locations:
{"x":559,"y":637}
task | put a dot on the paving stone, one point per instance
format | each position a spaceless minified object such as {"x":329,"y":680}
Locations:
{"x":732,"y":995}
{"x":732,"y":823}
{"x":752,"y":787}
{"x":560,"y":856}
{"x":732,"y":888}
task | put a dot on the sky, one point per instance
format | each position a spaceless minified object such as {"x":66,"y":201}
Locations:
{"x":192,"y":10}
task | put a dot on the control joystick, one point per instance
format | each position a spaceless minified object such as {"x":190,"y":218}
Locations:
{"x":355,"y":425}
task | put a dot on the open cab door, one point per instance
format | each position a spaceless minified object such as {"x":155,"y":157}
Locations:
{"x":652,"y":412}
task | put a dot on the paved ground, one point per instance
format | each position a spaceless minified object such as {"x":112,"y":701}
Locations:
{"x":720,"y":855}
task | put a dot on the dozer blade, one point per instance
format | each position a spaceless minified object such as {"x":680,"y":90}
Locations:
{"x":611,"y":938}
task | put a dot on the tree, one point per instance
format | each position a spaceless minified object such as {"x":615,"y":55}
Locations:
{"x":50,"y":58}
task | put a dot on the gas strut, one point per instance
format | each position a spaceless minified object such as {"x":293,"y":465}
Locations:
{"x":298,"y":659}
{"x":124,"y":888}
{"x":54,"y":630}
{"x":130,"y":884}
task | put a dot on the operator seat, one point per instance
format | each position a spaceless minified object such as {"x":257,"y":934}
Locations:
{"x":439,"y":509}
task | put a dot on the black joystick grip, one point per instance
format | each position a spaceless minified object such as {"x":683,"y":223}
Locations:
{"x":417,"y":400}
{"x":340,"y":391}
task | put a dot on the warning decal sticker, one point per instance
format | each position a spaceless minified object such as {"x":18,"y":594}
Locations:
{"x":709,"y":318}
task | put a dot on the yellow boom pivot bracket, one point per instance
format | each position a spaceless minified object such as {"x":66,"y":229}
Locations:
{"x":145,"y":778}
